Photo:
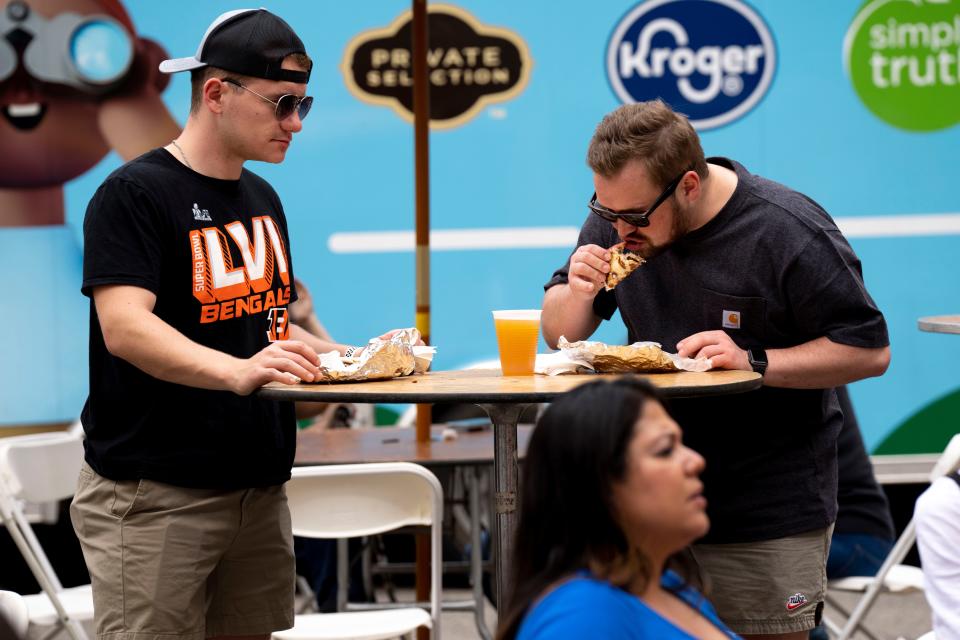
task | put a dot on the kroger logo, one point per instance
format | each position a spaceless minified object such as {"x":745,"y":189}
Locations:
{"x":711,"y":60}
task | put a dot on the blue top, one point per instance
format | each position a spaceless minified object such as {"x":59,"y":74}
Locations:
{"x":585,"y":607}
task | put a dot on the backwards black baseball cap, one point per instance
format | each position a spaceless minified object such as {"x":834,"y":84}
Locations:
{"x":251,"y":42}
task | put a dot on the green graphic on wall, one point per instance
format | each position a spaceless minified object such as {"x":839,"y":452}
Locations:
{"x":927,"y":431}
{"x":903,"y":58}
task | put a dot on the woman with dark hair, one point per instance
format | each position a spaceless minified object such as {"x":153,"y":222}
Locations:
{"x":609,"y":496}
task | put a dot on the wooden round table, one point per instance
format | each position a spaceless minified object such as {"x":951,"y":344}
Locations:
{"x":503,"y":398}
{"x":940,"y":324}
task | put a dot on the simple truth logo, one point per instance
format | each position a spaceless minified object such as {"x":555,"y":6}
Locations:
{"x":903,"y":59}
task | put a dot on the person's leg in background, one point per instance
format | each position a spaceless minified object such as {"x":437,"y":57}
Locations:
{"x":864,"y":532}
{"x":854,"y":554}
{"x":317,"y":562}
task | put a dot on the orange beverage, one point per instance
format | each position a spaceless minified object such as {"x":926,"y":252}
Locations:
{"x":517,"y":336}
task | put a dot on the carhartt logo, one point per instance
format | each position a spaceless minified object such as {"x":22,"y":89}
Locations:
{"x":731,"y":319}
{"x":201,"y":214}
{"x":796,"y":601}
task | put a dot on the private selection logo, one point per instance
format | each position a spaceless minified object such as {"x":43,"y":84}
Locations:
{"x":470,"y":65}
{"x":712,"y":60}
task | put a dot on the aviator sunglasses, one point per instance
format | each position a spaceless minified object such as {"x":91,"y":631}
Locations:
{"x":285,"y":104}
{"x":634,"y":217}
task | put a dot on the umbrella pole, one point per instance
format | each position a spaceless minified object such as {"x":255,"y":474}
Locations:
{"x":421,"y":152}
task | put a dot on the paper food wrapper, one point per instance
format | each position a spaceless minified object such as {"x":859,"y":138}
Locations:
{"x":639,"y":357}
{"x":561,"y":363}
{"x":380,"y":360}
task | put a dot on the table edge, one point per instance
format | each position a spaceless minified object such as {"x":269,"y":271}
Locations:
{"x":937,"y":324}
{"x":414,"y":397}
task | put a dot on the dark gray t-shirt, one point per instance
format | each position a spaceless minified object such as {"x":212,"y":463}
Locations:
{"x":773,"y":271}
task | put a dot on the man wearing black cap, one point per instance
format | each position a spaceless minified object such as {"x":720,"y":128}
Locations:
{"x":180,"y":506}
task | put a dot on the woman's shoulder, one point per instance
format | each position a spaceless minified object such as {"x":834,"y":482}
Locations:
{"x":582,"y":606}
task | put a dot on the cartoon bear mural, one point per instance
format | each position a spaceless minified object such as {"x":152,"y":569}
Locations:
{"x":76,"y":81}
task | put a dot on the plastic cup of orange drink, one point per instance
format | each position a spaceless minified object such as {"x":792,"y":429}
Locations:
{"x":518,"y":332}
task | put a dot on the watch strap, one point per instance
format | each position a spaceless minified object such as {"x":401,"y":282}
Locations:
{"x":757,"y":357}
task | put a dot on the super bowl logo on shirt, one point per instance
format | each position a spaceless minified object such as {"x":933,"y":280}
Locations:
{"x":712,"y":60}
{"x":228,"y":291}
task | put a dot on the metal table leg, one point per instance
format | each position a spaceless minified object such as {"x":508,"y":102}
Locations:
{"x":504,"y":418}
{"x":476,"y":553}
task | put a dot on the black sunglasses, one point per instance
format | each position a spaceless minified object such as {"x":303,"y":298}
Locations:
{"x":636,"y":218}
{"x":285,"y":104}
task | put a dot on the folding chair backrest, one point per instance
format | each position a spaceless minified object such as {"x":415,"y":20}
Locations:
{"x":345,"y":501}
{"x":949,"y":460}
{"x":41,"y":468}
{"x":352,"y":500}
{"x":14,"y":610}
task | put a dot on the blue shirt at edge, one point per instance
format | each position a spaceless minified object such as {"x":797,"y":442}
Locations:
{"x":586,"y":607}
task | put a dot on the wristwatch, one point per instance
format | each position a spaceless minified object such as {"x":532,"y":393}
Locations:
{"x":758,"y":359}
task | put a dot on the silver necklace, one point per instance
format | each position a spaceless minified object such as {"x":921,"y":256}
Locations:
{"x":182,"y":154}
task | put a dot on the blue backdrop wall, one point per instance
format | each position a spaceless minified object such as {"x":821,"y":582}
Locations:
{"x":518,"y":163}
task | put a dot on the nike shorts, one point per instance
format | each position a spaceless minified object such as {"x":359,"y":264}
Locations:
{"x":770,"y":586}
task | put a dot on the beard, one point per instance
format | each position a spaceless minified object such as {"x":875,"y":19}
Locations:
{"x":679,"y":227}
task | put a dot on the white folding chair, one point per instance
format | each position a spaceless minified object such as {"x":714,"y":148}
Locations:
{"x":14,"y":610}
{"x":39,"y":469}
{"x":892,"y":576}
{"x":347,"y":501}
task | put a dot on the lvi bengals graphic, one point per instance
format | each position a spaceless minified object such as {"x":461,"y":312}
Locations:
{"x":470,"y":66}
{"x":226,"y":291}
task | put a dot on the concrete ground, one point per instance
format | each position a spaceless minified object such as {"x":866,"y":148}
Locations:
{"x":894,"y":616}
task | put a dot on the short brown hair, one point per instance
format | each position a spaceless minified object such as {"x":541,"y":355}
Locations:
{"x":199,"y":77}
{"x":651,"y":132}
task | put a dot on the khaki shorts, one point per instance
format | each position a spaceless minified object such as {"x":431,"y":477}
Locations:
{"x":770,"y":586}
{"x":184,"y":563}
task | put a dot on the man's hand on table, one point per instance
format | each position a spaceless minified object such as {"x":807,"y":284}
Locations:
{"x":286,"y":361}
{"x":716,"y":345}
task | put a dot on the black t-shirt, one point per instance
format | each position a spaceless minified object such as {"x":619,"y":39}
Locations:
{"x":863,"y":507}
{"x":216,"y":255}
{"x":773,"y":271}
